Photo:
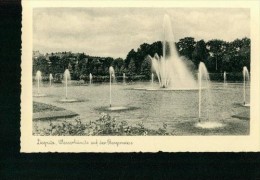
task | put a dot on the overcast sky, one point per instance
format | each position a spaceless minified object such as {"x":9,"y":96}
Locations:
{"x":115,"y":31}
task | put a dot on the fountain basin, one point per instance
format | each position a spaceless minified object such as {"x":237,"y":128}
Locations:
{"x":246,"y":105}
{"x":69,"y":100}
{"x":39,"y":95}
{"x":241,"y":104}
{"x":140,"y":88}
{"x":209,"y":125}
{"x":172,"y":89}
{"x":169,"y":89}
{"x":117,"y":108}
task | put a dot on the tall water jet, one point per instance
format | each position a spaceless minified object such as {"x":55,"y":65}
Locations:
{"x":112,"y":78}
{"x":111,"y":75}
{"x":203,"y":78}
{"x":152,"y":78}
{"x":38,"y":77}
{"x":170,"y":69}
{"x":204,"y":84}
{"x":225,"y":77}
{"x":50,"y":78}
{"x":90,"y":78}
{"x":66,"y":79}
{"x":124,"y":82}
{"x":245,"y":79}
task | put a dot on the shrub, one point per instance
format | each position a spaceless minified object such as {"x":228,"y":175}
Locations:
{"x":105,"y":125}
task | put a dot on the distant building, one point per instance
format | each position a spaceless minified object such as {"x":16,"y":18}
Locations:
{"x":37,"y":54}
{"x":58,"y":54}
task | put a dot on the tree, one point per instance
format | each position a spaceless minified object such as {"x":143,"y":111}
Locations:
{"x":56,"y":64}
{"x":82,"y":56}
{"x":146,"y":67}
{"x":96,"y":64}
{"x":83,"y":69}
{"x":200,"y":53}
{"x":131,"y":55}
{"x":139,"y":56}
{"x":156,"y":48}
{"x":227,"y":66}
{"x":70,"y":68}
{"x":123,"y":69}
{"x":131,"y":67}
{"x":64,"y":62}
{"x":238,"y":55}
{"x":186,"y":47}
{"x":245,"y":52}
{"x":76,"y":73}
{"x":217,"y":49}
{"x":117,"y":64}
{"x":40,"y":64}
{"x":106,"y":63}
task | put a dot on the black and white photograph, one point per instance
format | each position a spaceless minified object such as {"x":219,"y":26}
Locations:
{"x":130,"y":89}
{"x":141,"y":71}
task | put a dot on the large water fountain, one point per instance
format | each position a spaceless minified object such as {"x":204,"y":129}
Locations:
{"x":171,"y":70}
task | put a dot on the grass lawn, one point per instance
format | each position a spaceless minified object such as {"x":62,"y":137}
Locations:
{"x":41,"y":107}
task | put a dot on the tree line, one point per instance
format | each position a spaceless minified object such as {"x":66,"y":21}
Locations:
{"x":218,"y":56}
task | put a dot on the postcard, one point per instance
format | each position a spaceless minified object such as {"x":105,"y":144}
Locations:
{"x":140,"y":76}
